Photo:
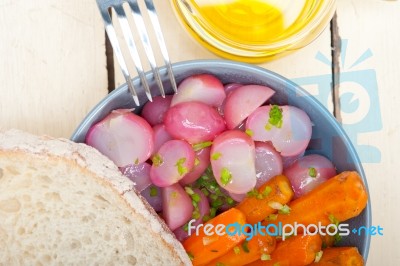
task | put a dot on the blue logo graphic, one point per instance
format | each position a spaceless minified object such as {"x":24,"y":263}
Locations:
{"x":358,"y":99}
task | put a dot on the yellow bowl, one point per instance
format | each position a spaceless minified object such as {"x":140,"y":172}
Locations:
{"x":254,"y":30}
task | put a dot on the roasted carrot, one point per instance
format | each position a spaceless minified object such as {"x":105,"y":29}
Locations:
{"x":297,"y":250}
{"x":203,"y":248}
{"x":247,"y":251}
{"x":340,"y":198}
{"x":256,"y":207}
{"x":340,"y":256}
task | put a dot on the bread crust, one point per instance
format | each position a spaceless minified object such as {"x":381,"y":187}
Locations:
{"x":100,"y":168}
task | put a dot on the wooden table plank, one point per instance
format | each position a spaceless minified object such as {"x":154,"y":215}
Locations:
{"x":52,"y":69}
{"x":370,"y":72}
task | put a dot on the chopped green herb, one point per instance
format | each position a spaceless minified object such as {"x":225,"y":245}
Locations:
{"x":271,"y":217}
{"x":153,"y":191}
{"x":216,"y":155}
{"x":333,"y":219}
{"x":275,"y":116}
{"x":226,"y":176}
{"x":230,"y":201}
{"x":213,"y":212}
{"x":236,"y":250}
{"x":137,"y":161}
{"x":267,"y":191}
{"x":252,"y":193}
{"x":196,"y":214}
{"x":245,"y":246}
{"x":181,"y":168}
{"x":196,"y":197}
{"x":189,"y":190}
{"x":265,"y":257}
{"x":284,"y":210}
{"x":249,"y":132}
{"x":190,"y":255}
{"x":318,"y":256}
{"x":196,"y":161}
{"x":312,"y":172}
{"x":201,"y":145}
{"x":157,"y":160}
{"x":275,"y":205}
{"x":186,"y":227}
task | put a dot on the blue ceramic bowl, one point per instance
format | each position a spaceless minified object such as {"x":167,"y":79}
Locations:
{"x":329,"y":139}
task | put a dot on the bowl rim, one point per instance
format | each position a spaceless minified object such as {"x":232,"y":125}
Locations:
{"x":223,"y":63}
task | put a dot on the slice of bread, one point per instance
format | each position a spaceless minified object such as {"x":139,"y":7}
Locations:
{"x":63,"y":203}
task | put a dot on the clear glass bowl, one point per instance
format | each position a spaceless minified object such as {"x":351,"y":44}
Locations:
{"x":254,"y":30}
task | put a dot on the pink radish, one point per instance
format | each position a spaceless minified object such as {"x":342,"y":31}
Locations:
{"x":122,"y":136}
{"x":308,"y":172}
{"x":231,"y":87}
{"x":242,"y":101}
{"x":139,"y":174}
{"x":287,"y":127}
{"x":203,"y":209}
{"x":153,"y":196}
{"x":154,"y":111}
{"x":161,"y":136}
{"x":289,"y":160}
{"x":233,"y":161}
{"x":268,"y":162}
{"x":173,"y":160}
{"x":177,"y":206}
{"x":193,"y":121}
{"x":201,"y":163}
{"x":203,"y":88}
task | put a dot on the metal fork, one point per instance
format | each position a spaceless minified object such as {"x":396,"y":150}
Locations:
{"x":105,"y":6}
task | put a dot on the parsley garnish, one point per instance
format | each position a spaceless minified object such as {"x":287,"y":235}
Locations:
{"x":245,"y":246}
{"x":153,"y":191}
{"x":226,"y":176}
{"x":312,"y":172}
{"x":157,"y":160}
{"x":216,"y":155}
{"x":181,"y":169}
{"x":201,"y":145}
{"x":275,"y":117}
{"x":265,"y":257}
{"x":249,"y":132}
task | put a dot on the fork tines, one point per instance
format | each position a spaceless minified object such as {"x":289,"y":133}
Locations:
{"x":105,"y":7}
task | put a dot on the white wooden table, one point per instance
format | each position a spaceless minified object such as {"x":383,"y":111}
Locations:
{"x":53,"y":71}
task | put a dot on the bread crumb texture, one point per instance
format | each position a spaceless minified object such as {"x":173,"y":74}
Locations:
{"x":63,"y":203}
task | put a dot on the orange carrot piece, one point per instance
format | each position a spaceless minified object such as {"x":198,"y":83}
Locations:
{"x":297,"y":250}
{"x":257,"y":209}
{"x":202,"y":248}
{"x":340,"y":256}
{"x":247,"y":252}
{"x":342,"y":197}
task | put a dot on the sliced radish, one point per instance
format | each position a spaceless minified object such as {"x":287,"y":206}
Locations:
{"x":233,"y":161}
{"x":231,"y":87}
{"x":122,"y":136}
{"x":290,"y":133}
{"x":161,"y":136}
{"x":203,"y":88}
{"x":243,"y":101}
{"x":268,"y":162}
{"x":308,"y":172}
{"x":203,"y":209}
{"x":201,"y":163}
{"x":153,"y":196}
{"x":194,"y":121}
{"x":173,"y":160}
{"x":177,"y":206}
{"x":154,"y":111}
{"x":139,"y":174}
{"x":289,"y":160}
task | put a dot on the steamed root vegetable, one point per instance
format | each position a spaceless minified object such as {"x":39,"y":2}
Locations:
{"x":340,"y":256}
{"x":268,"y":162}
{"x":203,"y":88}
{"x":173,"y":160}
{"x":139,"y":174}
{"x":242,"y":101}
{"x":308,"y":172}
{"x":202,"y":161}
{"x":154,"y":111}
{"x":161,"y":136}
{"x":298,"y":250}
{"x":233,"y":161}
{"x":122,"y":136}
{"x":248,"y":251}
{"x":287,"y":127}
{"x":342,"y":197}
{"x":257,"y":205}
{"x":177,"y":206}
{"x":194,"y":122}
{"x":201,"y":209}
{"x":203,"y":248}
